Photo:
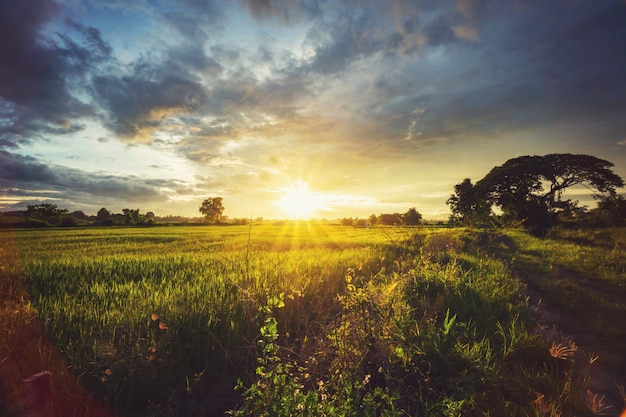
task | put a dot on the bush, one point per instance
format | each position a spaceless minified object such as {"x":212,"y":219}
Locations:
{"x":68,"y":221}
{"x":34,"y":223}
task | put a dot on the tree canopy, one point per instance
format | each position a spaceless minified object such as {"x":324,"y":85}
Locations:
{"x":529,"y":189}
{"x":212,"y":209}
{"x":412,"y":217}
{"x":468,"y":206}
{"x":45,"y":211}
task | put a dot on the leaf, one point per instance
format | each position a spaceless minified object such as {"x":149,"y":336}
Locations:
{"x":400,"y":352}
{"x":276,"y":302}
{"x":448,"y":322}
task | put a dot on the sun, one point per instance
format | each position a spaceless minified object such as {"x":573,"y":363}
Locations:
{"x":299,"y":202}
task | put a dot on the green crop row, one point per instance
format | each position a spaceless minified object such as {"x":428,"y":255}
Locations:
{"x":305,"y":319}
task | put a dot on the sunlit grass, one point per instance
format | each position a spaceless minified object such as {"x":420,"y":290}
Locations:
{"x":163,"y":321}
{"x":96,"y":289}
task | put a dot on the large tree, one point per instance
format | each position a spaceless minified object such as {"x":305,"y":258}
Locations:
{"x":212,"y":209}
{"x":530,"y":189}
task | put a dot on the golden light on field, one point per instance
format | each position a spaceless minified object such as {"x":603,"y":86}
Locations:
{"x":299,"y":202}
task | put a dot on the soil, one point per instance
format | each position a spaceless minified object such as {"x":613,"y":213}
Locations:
{"x":607,"y":372}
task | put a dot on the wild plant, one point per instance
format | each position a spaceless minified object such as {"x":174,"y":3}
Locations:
{"x":344,"y":388}
{"x":330,"y":320}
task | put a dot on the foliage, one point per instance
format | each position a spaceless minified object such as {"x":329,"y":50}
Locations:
{"x":412,"y":217}
{"x":469,"y":207}
{"x":390,"y":219}
{"x":518,"y":187}
{"x":312,"y":319}
{"x":103,"y":214}
{"x":212,"y":209}
{"x":611,"y":211}
{"x":46,"y":212}
{"x":347,"y":221}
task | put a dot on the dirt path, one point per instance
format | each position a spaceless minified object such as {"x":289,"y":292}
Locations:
{"x":606,"y":372}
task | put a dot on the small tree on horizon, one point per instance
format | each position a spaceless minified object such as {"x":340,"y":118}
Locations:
{"x":212,"y":209}
{"x":412,"y":217}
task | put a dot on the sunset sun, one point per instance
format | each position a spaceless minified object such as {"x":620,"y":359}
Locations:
{"x":299,"y":202}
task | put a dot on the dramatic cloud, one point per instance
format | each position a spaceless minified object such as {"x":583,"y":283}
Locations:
{"x":24,"y":169}
{"x":286,"y":11}
{"x":42,"y":77}
{"x":388,"y":102}
{"x":73,"y":188}
{"x":137,"y":107}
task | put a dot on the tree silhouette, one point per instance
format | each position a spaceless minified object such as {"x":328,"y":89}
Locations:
{"x":412,"y":217}
{"x":212,"y":209}
{"x":529,"y":189}
{"x":469,"y":207}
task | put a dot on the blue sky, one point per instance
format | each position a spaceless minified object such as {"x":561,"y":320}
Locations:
{"x":369,"y":106}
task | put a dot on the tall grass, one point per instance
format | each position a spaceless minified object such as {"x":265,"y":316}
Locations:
{"x":586,"y":280}
{"x":142,"y":314}
{"x":310,"y":319}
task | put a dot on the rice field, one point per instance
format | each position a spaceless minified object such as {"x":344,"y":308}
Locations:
{"x":119,"y":304}
{"x":278,"y":319}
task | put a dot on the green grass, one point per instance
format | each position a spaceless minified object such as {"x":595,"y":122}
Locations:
{"x":96,"y":290}
{"x":309,"y":318}
{"x":588,"y":281}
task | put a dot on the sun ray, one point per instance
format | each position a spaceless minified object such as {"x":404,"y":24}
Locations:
{"x":300,"y":202}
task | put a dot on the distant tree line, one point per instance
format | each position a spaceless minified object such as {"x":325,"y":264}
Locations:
{"x":525,"y":191}
{"x":411,"y":218}
{"x":128,"y":217}
{"x":43,"y":215}
{"x":50,"y":215}
{"x":528,"y":191}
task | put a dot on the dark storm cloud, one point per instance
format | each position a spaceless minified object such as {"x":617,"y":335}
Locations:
{"x":137,"y":106}
{"x":558,"y":63}
{"x":22,"y":60}
{"x":439,"y":31}
{"x":130,"y":189}
{"x":156,"y":88}
{"x":194,"y":19}
{"x":346,"y":35}
{"x":287,"y":11}
{"x":505,"y":68}
{"x":22,"y":169}
{"x":37,"y":74}
{"x":582,"y":61}
{"x":6,"y":143}
{"x":27,"y":176}
{"x":93,"y":50}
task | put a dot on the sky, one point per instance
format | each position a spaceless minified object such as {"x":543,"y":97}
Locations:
{"x":298,"y":108}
